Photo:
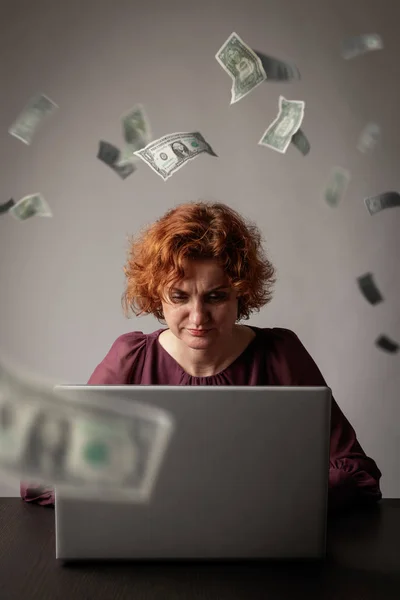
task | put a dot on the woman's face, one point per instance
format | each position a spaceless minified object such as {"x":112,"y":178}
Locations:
{"x":195,"y":303}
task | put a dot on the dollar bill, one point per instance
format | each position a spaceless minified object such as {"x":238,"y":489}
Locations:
{"x":27,"y":123}
{"x":121,"y":163}
{"x":369,"y":138}
{"x":136,"y":128}
{"x":360,"y":44}
{"x":385,"y":343}
{"x":108,"y":153}
{"x":243,"y":66}
{"x":5,"y":207}
{"x":126,"y":164}
{"x":86,"y":449}
{"x":31,"y":206}
{"x":279,"y":134}
{"x":124,"y":168}
{"x":369,"y":289}
{"x":300,"y":141}
{"x":337,"y":185}
{"x":380,"y":202}
{"x":169,"y":153}
{"x":278,"y":70}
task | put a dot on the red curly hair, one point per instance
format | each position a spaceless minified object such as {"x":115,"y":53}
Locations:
{"x":197,"y":230}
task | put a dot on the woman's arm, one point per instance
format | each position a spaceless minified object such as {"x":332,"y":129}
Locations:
{"x":116,"y":368}
{"x":353,"y":476}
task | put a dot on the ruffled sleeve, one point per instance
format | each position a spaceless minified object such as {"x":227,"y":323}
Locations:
{"x":122,"y":365}
{"x":353,"y":476}
{"x":124,"y":362}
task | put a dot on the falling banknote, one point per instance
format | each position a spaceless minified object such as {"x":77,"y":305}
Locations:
{"x":369,"y":138}
{"x":380,"y":202}
{"x":279,"y":134}
{"x":136,"y":128}
{"x":28,"y":122}
{"x":243,"y":66}
{"x":300,"y":141}
{"x":124,"y":167}
{"x":111,"y":156}
{"x":31,"y":206}
{"x":369,"y":288}
{"x":87,"y":448}
{"x":5,"y":207}
{"x":357,"y":45}
{"x":386,"y":344}
{"x":337,"y":185}
{"x":169,"y":153}
{"x":278,"y":70}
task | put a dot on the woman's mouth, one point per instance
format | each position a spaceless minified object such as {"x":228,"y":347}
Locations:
{"x":199,"y":332}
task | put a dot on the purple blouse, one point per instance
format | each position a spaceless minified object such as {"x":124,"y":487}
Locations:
{"x":274,"y":357}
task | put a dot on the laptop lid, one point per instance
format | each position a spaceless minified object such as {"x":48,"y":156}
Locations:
{"x":245,"y":475}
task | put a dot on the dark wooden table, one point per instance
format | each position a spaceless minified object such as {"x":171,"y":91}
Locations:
{"x":363,"y":563}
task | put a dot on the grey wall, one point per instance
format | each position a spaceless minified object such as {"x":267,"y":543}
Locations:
{"x":61,"y":279}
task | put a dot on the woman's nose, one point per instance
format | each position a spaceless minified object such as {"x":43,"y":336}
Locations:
{"x":198,"y":313}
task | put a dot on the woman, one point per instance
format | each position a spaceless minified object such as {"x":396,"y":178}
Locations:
{"x":202,"y":270}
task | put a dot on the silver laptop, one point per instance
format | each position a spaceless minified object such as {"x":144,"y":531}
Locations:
{"x":245,"y":476}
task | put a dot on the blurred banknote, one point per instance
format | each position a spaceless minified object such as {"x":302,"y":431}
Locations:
{"x":385,"y":343}
{"x":87,"y":449}
{"x":278,"y":70}
{"x":31,"y":206}
{"x":28,"y":122}
{"x":108,"y":153}
{"x":169,"y":153}
{"x":337,"y":185}
{"x":300,"y":141}
{"x":122,"y":164}
{"x":369,"y":138}
{"x":124,"y":167}
{"x":369,"y":288}
{"x":243,"y":66}
{"x":360,"y":44}
{"x":136,"y":128}
{"x":279,"y":134}
{"x":380,"y":202}
{"x":5,"y":207}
